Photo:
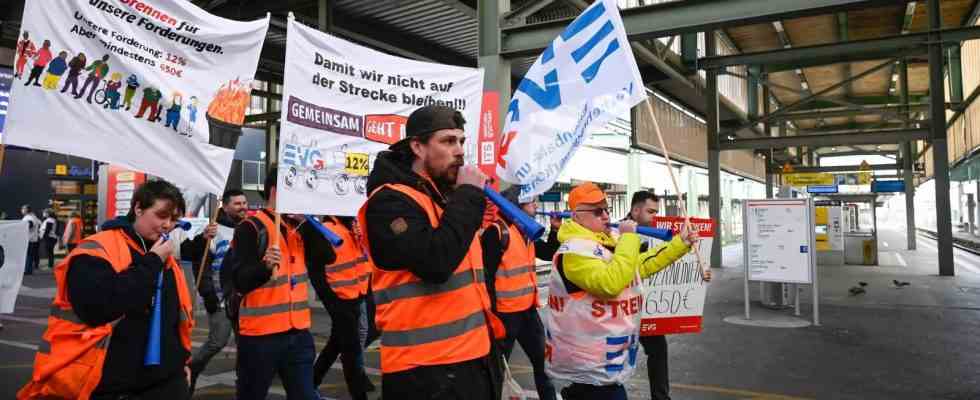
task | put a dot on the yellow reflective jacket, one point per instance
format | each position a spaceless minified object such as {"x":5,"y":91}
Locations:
{"x":607,"y":280}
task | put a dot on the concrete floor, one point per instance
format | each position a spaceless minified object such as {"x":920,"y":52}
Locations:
{"x":917,"y":342}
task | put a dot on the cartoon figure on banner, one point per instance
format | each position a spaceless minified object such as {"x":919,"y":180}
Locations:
{"x":346,"y":170}
{"x":98,"y":70}
{"x":192,"y":110}
{"x":112,"y":91}
{"x":56,"y":68}
{"x":132,"y":83}
{"x":151,"y":100}
{"x":41,"y":60}
{"x":75,"y":67}
{"x":173,"y":113}
{"x":25,"y":50}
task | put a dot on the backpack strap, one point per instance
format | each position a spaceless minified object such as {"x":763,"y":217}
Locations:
{"x":503,"y":232}
{"x":262,"y":235}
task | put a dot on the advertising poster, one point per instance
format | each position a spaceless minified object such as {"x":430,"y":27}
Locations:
{"x":122,"y":184}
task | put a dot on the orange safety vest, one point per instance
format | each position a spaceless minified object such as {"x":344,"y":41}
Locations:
{"x":425,"y":323}
{"x":348,"y":275}
{"x":516,"y":281}
{"x":69,"y":359}
{"x":76,"y":233}
{"x":281,"y":303}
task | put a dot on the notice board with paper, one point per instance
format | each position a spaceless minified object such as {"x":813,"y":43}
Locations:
{"x":779,"y":240}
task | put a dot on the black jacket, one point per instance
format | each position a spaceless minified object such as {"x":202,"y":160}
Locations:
{"x":493,"y":252}
{"x":322,"y":287}
{"x":192,"y":251}
{"x":251,"y":272}
{"x":99,"y":295}
{"x":399,"y":230}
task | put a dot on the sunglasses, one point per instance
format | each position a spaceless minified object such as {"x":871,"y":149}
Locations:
{"x":598,"y":212}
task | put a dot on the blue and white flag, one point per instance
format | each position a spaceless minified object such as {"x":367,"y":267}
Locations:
{"x":586,"y":77}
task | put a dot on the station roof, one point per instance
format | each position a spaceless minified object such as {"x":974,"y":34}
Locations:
{"x":879,"y":88}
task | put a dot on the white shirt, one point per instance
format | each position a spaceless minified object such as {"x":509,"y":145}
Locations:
{"x":35,"y":227}
{"x":49,"y":233}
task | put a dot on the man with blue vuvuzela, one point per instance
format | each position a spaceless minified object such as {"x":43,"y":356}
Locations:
{"x":509,"y":262}
{"x":421,"y":222}
{"x":99,"y":332}
{"x":595,"y":297}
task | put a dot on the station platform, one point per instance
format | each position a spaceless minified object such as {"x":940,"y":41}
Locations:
{"x":913,"y":342}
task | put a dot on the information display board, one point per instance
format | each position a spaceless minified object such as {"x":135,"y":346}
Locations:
{"x":779,"y":240}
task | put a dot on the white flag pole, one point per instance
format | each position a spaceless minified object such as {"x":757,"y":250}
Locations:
{"x":673,"y":178}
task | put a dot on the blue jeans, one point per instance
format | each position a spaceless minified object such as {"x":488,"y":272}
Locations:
{"x":289,"y":354}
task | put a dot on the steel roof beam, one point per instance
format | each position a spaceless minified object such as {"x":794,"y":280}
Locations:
{"x":850,"y":112}
{"x":823,"y":140}
{"x":678,"y":17}
{"x":859,"y":153}
{"x":913,"y":44}
{"x":774,"y":168}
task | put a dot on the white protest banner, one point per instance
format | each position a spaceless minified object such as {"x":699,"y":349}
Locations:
{"x":13,"y":259}
{"x":586,"y":77}
{"x":674,"y":297}
{"x":136,"y":83}
{"x":344,"y":103}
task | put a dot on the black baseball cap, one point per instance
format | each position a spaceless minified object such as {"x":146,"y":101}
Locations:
{"x":430,"y":119}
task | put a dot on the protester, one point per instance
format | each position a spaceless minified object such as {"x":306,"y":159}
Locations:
{"x":341,"y":287}
{"x":233,"y":209}
{"x":106,"y":289}
{"x":595,"y":297}
{"x":421,"y":222}
{"x":512,"y":281}
{"x":73,"y":231}
{"x":274,"y":319}
{"x":644,"y":206}
{"x":49,"y":235}
{"x":33,"y":237}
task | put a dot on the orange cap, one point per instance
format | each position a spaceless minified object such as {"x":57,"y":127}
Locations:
{"x":587,"y":193}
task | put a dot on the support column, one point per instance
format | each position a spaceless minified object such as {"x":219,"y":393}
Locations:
{"x":271,"y":133}
{"x":908,"y":158}
{"x":767,"y":131}
{"x":940,"y":151}
{"x":752,"y":93}
{"x":633,"y":180}
{"x":325,"y":15}
{"x":973,"y":228}
{"x":689,"y":50}
{"x":769,"y":177}
{"x":693,"y":207}
{"x":497,"y":72}
{"x":714,"y":150}
{"x":955,"y":74}
{"x":908,"y":154}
